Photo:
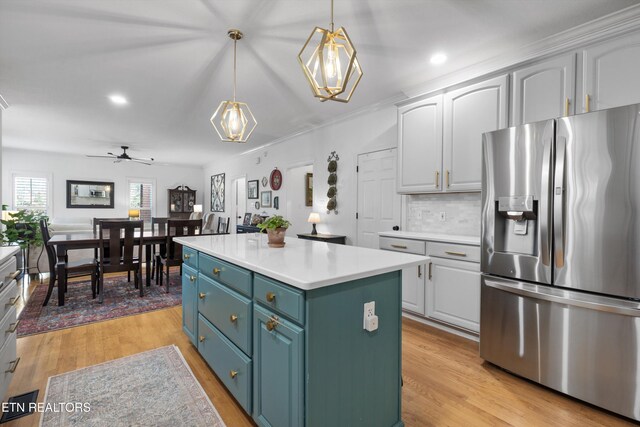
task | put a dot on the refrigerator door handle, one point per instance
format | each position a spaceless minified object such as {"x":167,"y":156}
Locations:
{"x":571,"y":298}
{"x":545,"y":199}
{"x":558,"y":202}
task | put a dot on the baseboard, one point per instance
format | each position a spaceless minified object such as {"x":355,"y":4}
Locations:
{"x":443,"y":327}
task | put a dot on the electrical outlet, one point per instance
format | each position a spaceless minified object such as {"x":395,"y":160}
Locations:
{"x":443,"y":216}
{"x":369,"y":311}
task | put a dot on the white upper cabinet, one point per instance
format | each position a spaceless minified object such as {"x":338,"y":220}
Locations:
{"x":468,"y":113}
{"x":544,"y":90}
{"x":610,"y":73}
{"x":420,"y":146}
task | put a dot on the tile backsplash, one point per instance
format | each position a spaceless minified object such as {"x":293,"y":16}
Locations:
{"x":462,"y":213}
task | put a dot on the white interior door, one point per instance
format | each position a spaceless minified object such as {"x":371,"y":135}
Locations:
{"x":379,"y":205}
{"x":240,"y":200}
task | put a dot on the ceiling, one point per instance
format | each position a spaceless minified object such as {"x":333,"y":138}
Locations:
{"x":59,"y":60}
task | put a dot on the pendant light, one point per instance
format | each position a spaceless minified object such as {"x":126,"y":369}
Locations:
{"x":329,"y":62}
{"x":233,"y":120}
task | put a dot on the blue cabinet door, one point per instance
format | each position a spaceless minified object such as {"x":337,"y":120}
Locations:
{"x":189,"y":302}
{"x":278,"y":363}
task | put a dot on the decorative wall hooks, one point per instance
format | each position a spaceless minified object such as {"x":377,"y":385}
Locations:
{"x":332,"y":167}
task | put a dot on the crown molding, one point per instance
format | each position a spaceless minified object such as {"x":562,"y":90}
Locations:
{"x":3,"y":103}
{"x":600,"y":29}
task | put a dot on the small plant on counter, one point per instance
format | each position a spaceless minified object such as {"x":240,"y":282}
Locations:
{"x":23,"y":228}
{"x":276,"y":227}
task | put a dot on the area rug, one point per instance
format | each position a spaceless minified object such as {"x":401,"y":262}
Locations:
{"x":154,"y":388}
{"x":121,"y":299}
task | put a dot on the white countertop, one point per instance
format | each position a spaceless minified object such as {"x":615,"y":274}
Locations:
{"x":7,"y":251}
{"x":433,"y":237}
{"x":304,"y":264}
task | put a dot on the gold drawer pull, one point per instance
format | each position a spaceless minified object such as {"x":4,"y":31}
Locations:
{"x":448,"y":185}
{"x":201,"y":295}
{"x":216,"y":271}
{"x":233,"y":318}
{"x":272,"y":323}
{"x":271,"y":297}
{"x":14,"y":275}
{"x":201,"y":338}
{"x":14,"y":364}
{"x":192,"y":278}
{"x":399,"y":246}
{"x":233,"y":374}
{"x":13,"y":327}
{"x":187,"y":256}
{"x":455,"y":253}
{"x":13,"y":301}
{"x":437,"y":179}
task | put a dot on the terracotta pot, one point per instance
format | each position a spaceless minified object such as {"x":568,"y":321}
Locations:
{"x":275,"y":238}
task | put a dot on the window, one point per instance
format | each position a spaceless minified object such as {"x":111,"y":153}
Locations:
{"x":30,"y":192}
{"x":141,"y":197}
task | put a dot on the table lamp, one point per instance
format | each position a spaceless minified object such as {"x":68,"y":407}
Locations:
{"x":197,"y":208}
{"x":134,"y":214}
{"x":314,"y":218}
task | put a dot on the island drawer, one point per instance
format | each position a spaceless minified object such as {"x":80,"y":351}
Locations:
{"x":8,"y":326}
{"x":455,"y":251}
{"x":281,"y":298}
{"x":229,"y":311}
{"x":403,"y":245}
{"x":231,"y":366}
{"x":8,"y":362}
{"x":190,"y":257}
{"x":8,"y":298}
{"x":228,"y":274}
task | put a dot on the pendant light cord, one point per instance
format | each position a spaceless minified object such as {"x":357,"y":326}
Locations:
{"x":332,"y":16}
{"x":235,"y":43}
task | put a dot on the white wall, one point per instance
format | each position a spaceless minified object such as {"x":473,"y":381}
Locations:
{"x":370,"y":131}
{"x":61,"y":167}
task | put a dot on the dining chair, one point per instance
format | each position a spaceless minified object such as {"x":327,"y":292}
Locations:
{"x":173,"y":256}
{"x":223,"y":225}
{"x":117,"y":251}
{"x":78,"y":268}
{"x":158,"y":225}
{"x":208,"y":223}
{"x":96,"y":227}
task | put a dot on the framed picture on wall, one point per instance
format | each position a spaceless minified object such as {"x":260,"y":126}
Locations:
{"x":308,"y":189}
{"x":90,"y":194}
{"x":217,"y":193}
{"x":252,"y":189}
{"x":265,"y":199}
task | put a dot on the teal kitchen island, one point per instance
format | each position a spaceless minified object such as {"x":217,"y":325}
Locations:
{"x":284,"y":328}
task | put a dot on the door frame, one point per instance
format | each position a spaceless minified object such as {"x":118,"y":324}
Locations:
{"x":233,"y":206}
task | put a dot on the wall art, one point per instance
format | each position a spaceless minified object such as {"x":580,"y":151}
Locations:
{"x":217,"y":193}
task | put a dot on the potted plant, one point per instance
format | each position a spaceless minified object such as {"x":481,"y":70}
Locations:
{"x":276,"y":227}
{"x":23,"y":229}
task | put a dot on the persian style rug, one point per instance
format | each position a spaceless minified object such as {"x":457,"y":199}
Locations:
{"x":154,"y":388}
{"x":121,"y":298}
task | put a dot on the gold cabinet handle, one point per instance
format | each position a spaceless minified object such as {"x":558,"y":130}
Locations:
{"x":587,"y":103}
{"x":271,"y":297}
{"x":437,"y":179}
{"x":14,"y":365}
{"x":187,"y":256}
{"x":566,"y":107}
{"x":272,"y":323}
{"x":201,"y":338}
{"x":14,"y":275}
{"x":216,"y":271}
{"x":447,"y":176}
{"x":201,"y":295}
{"x":233,"y":373}
{"x":430,"y":271}
{"x":13,"y":301}
{"x":399,"y":246}
{"x":455,"y":253}
{"x":233,"y":318}
{"x":192,"y":278}
{"x":12,"y":327}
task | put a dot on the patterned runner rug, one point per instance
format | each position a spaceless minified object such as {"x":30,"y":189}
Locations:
{"x":121,"y":299}
{"x":154,"y":388}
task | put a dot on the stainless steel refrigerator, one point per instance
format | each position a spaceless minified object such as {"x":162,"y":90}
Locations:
{"x":561,"y":255}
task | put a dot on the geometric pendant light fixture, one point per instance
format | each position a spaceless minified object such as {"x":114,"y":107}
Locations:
{"x":329,"y":62}
{"x":233,"y":120}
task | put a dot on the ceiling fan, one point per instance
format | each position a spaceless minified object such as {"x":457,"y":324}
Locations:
{"x":124,"y":156}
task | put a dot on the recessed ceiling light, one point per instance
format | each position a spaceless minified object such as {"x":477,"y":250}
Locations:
{"x":438,"y":58}
{"x":118,"y":99}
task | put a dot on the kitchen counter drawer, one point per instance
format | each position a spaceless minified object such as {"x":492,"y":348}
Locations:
{"x":231,"y":366}
{"x":229,"y":311}
{"x":8,"y":362}
{"x":453,"y":251}
{"x":8,"y":298}
{"x":403,"y":245}
{"x":8,"y":326}
{"x":280,"y":298}
{"x":190,"y":257}
{"x":235,"y":277}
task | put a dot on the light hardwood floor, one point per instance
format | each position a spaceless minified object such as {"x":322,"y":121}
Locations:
{"x":445,"y":381}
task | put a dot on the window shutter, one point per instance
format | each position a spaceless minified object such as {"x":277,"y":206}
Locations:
{"x":30,"y":193}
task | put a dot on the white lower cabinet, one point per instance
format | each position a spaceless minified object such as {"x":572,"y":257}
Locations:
{"x":413,"y":284}
{"x":453,"y":293}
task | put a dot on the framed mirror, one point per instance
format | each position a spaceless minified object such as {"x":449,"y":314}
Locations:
{"x":90,"y":194}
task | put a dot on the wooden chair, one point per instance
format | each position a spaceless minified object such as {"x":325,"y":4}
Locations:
{"x":208,"y":223}
{"x":117,"y":251}
{"x":79,"y":268}
{"x":158,"y":225}
{"x":173,"y":256}
{"x":223,"y":225}
{"x":96,"y":226}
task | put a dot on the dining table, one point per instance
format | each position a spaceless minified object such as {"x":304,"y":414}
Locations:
{"x":65,"y":242}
